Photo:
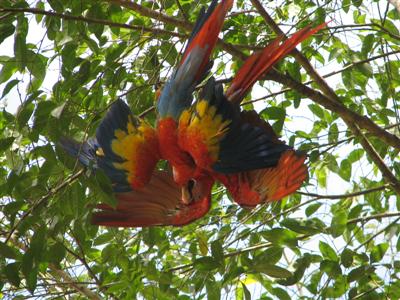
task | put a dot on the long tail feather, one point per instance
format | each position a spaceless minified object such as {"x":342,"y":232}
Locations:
{"x":195,"y":63}
{"x":261,"y":62}
{"x":205,"y":33}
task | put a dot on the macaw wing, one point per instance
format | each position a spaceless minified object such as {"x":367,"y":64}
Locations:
{"x":266,"y":185}
{"x":195,"y":63}
{"x":219,"y":139}
{"x":158,"y":203}
{"x":129,"y":146}
{"x":261,"y":62}
{"x":253,"y":187}
{"x":125,"y":147}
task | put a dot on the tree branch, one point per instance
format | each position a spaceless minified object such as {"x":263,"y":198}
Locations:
{"x":36,"y":11}
{"x":346,"y":114}
{"x":57,"y":273}
{"x":348,"y":195}
{"x":347,"y":67}
{"x":189,"y":266}
{"x":144,"y":11}
{"x":43,"y":200}
{"x":331,"y":101}
{"x":374,"y":217}
{"x":76,"y":286}
{"x":147,"y":12}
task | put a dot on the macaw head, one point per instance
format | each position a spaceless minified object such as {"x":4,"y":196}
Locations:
{"x":198,"y":195}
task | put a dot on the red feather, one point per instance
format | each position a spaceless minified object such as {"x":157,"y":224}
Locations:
{"x":161,"y":202}
{"x":261,"y":62}
{"x":207,"y":37}
{"x":266,"y":185}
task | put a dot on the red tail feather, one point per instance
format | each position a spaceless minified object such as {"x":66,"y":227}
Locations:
{"x":261,"y":62}
{"x":207,"y":37}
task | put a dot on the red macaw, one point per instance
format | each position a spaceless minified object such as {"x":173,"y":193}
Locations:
{"x":176,"y":95}
{"x":126,"y":149}
{"x":238,"y":148}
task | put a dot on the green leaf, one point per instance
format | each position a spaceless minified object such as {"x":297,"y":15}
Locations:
{"x":280,"y":293}
{"x":346,"y":5}
{"x":205,"y":263}
{"x":304,"y":226}
{"x":327,"y":251}
{"x":56,"y":5}
{"x":7,"y":251}
{"x":20,"y":48}
{"x":38,"y":242}
{"x":24,"y":113}
{"x":333,"y":133}
{"x":203,"y":242}
{"x":311,"y":209}
{"x":84,"y":72}
{"x":8,"y":69}
{"x":271,"y":270}
{"x":378,"y":252}
{"x":367,"y":44}
{"x":359,"y":272}
{"x":355,"y":155}
{"x":345,"y":170}
{"x":57,"y":112}
{"x":272,"y":255}
{"x":332,"y":268}
{"x":9,"y":87}
{"x":6,"y":143}
{"x":338,"y":224}
{"x":104,"y":183}
{"x":317,"y":110}
{"x":6,"y":29}
{"x":246,"y":292}
{"x":57,"y":253}
{"x":275,"y":113}
{"x":217,"y":251}
{"x":36,"y":64}
{"x":280,"y":236}
{"x":346,"y":257}
{"x":11,"y":272}
{"x":31,"y":280}
{"x":213,"y":290}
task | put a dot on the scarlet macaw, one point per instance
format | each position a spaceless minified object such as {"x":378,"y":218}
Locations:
{"x":238,"y":148}
{"x":177,"y":93}
{"x":126,"y":149}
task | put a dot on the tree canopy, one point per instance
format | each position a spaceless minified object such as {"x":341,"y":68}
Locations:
{"x":64,"y":62}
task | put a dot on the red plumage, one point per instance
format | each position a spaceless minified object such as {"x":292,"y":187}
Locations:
{"x":211,"y":146}
{"x":198,"y":141}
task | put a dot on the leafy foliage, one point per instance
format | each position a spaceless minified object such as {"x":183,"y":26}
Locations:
{"x":64,"y":62}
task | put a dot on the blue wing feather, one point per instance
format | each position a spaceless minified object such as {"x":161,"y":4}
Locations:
{"x":97,"y":152}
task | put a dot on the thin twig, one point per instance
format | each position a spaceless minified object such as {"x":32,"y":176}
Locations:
{"x":342,"y":196}
{"x":43,"y":200}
